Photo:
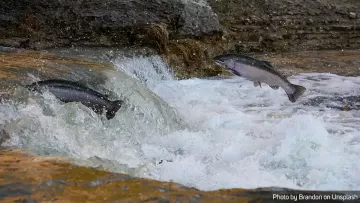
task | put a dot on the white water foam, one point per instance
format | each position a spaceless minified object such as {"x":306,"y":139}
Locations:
{"x":254,"y":137}
{"x":150,"y":70}
{"x":48,"y":126}
{"x":238,"y":136}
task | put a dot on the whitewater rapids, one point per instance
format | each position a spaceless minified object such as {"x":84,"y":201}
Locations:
{"x":236,"y":135}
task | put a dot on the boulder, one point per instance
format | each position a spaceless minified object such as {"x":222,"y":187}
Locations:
{"x":49,"y":23}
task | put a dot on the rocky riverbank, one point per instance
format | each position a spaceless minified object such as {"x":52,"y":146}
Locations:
{"x":258,"y":27}
{"x":187,"y":33}
{"x":43,"y":24}
{"x":283,"y":25}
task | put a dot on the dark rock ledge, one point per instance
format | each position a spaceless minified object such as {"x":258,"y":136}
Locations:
{"x":39,"y":24}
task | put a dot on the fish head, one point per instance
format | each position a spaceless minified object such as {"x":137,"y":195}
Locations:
{"x":226,"y":61}
{"x":32,"y":87}
{"x":35,"y":87}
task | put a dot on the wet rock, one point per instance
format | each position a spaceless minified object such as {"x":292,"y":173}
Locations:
{"x":39,"y":24}
{"x":14,"y":189}
{"x":345,"y":103}
{"x":7,"y":49}
{"x":198,"y":20}
{"x":273,"y":37}
{"x":3,"y":136}
{"x":25,"y":173}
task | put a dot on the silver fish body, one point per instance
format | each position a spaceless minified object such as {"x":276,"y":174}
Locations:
{"x":259,"y":72}
{"x":68,"y":91}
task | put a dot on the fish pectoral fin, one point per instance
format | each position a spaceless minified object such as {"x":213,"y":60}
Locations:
{"x":83,"y":82}
{"x":235,"y":73}
{"x":275,"y":87}
{"x":257,"y":83}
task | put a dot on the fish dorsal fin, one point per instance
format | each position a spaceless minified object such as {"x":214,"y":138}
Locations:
{"x":86,"y":84}
{"x":268,"y":64}
{"x":83,"y":82}
{"x":106,"y":96}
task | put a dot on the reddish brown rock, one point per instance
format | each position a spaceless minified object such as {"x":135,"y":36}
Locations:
{"x":26,"y":178}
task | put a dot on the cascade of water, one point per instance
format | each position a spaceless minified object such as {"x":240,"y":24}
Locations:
{"x":235,"y":135}
{"x":150,"y":70}
{"x":48,"y":126}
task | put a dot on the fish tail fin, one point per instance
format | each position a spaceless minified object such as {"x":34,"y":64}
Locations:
{"x":299,"y":90}
{"x":114,"y":107}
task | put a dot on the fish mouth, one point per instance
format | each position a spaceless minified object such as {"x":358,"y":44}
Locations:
{"x":30,"y":87}
{"x":220,"y":63}
{"x":220,"y":60}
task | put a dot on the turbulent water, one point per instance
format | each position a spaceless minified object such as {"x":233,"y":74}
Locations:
{"x":232,"y":134}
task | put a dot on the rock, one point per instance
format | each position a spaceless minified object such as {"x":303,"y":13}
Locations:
{"x":198,"y":20}
{"x":7,"y":49}
{"x":50,"y":179}
{"x":310,"y":21}
{"x":273,"y":37}
{"x":3,"y":136}
{"x":304,"y":15}
{"x":352,"y":15}
{"x":99,"y":22}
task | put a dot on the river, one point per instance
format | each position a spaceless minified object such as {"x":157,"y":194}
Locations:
{"x":208,"y":133}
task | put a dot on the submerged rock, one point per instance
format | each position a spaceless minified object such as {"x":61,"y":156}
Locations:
{"x":3,"y":136}
{"x":341,"y":103}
